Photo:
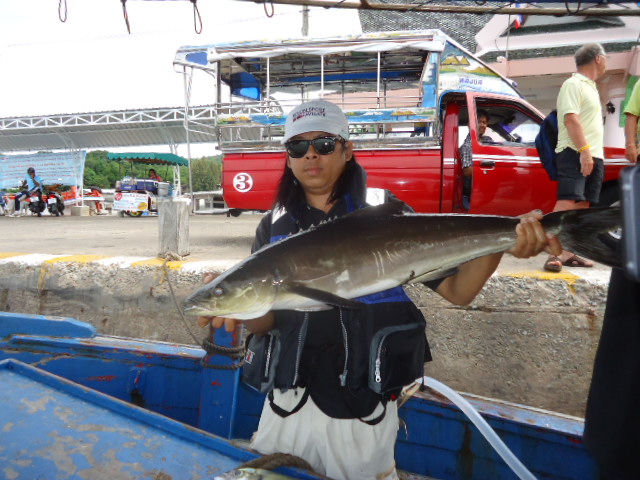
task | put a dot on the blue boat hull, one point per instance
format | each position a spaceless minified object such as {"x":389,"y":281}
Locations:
{"x":186,"y":388}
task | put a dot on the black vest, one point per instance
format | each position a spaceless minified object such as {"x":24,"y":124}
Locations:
{"x":349,"y":360}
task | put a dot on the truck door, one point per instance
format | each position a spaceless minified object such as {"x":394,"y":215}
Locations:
{"x":508,"y":178}
{"x":451,"y":192}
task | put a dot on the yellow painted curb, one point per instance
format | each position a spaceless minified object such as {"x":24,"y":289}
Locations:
{"x":159,"y":262}
{"x":568,"y":277}
{"x":11,"y":254}
{"x":75,"y":259}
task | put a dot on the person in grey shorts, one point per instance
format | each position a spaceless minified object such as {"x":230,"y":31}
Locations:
{"x":580,"y":145}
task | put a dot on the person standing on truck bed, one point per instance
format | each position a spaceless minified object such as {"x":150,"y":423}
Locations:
{"x":580,"y":148}
{"x":466,"y":155}
{"x":320,"y":405}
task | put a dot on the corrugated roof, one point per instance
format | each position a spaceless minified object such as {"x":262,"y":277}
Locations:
{"x":561,"y":51}
{"x":149,"y":158}
{"x":462,"y":27}
{"x":122,"y":128}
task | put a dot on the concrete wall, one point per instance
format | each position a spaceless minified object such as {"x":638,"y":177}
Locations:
{"x":525,"y":340}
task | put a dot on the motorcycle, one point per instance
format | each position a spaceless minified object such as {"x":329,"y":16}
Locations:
{"x":36,"y":203}
{"x":55,"y":202}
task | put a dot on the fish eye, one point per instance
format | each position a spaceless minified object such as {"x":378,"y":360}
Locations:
{"x":218,"y":291}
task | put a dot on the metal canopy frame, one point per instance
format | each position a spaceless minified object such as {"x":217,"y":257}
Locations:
{"x":121,"y":128}
{"x":584,"y":8}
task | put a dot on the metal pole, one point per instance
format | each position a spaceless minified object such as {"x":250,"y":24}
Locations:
{"x":187,"y":94}
{"x":305,"y":20}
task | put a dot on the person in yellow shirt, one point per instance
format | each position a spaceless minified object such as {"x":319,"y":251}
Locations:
{"x":580,"y":147}
{"x":632,"y":128}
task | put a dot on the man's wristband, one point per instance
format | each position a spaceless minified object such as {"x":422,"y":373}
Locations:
{"x":586,"y":147}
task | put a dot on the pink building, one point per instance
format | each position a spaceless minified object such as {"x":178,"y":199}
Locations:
{"x":539,"y":57}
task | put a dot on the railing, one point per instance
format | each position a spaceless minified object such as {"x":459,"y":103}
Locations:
{"x":250,"y":126}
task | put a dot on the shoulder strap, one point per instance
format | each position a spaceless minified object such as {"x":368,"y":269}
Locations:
{"x":284,"y":413}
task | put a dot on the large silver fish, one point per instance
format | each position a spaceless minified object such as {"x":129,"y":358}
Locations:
{"x":377,"y":248}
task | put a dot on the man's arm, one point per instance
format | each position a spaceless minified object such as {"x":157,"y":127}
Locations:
{"x":631,"y":137}
{"x":576,"y":134}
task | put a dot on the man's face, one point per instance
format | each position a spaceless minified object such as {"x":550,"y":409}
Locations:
{"x":483,"y":122}
{"x":318,"y":173}
{"x":601,"y":64}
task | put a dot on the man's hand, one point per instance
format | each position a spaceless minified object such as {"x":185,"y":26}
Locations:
{"x":586,"y":162}
{"x":217,"y":322}
{"x":631,"y":152}
{"x":532,"y":238}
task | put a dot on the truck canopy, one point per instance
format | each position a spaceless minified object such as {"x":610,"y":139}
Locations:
{"x":150,"y":158}
{"x":388,"y":83}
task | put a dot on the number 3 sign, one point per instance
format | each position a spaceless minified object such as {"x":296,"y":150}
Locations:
{"x":243,"y":182}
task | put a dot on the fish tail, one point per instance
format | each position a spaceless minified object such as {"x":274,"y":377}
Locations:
{"x":589,"y":232}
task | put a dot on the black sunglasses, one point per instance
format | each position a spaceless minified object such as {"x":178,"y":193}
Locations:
{"x":322,"y":145}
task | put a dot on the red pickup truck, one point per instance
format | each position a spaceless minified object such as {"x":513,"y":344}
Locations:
{"x":411,"y":99}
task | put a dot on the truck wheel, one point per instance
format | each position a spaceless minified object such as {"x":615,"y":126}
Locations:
{"x":137,"y":213}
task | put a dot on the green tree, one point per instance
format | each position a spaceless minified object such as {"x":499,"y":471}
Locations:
{"x":206,"y":173}
{"x":104,"y":173}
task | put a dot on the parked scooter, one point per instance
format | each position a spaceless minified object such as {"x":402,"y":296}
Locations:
{"x":36,"y":203}
{"x":55,"y":202}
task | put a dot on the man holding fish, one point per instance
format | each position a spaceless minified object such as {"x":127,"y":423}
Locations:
{"x":330,"y":296}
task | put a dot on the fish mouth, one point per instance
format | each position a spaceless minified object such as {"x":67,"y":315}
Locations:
{"x":192,"y":309}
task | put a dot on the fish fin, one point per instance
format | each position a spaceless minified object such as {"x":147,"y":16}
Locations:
{"x":323,"y":296}
{"x":434,"y":275}
{"x":589,"y":232}
{"x":315,"y":308}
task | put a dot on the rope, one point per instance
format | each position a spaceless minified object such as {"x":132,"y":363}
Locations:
{"x":275,"y":460}
{"x":165,"y":272}
{"x":197,"y":19}
{"x":409,"y":392}
{"x":207,"y":345}
{"x":566,"y":5}
{"x":264,"y":4}
{"x":63,"y":18}
{"x":231,"y":352}
{"x":126,"y":15}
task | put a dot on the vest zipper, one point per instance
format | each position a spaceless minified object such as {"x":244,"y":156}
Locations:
{"x":343,"y":377}
{"x":301,"y":335}
{"x":268,"y":362}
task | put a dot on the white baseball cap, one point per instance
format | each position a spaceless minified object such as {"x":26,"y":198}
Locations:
{"x":316,"y":116}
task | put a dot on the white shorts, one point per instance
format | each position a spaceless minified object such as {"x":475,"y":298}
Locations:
{"x":342,"y":449}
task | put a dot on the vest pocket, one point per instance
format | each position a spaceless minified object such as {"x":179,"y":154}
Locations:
{"x":260,"y":361}
{"x":396,"y":357}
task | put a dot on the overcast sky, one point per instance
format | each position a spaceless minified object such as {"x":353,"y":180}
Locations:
{"x":90,"y":63}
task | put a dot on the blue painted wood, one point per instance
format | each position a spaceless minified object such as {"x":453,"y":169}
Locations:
{"x":54,"y":428}
{"x":440,"y":442}
{"x":182,"y":383}
{"x":13,"y":323}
